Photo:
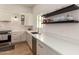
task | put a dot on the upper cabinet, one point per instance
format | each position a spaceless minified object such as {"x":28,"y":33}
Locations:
{"x":28,"y":19}
{"x":62,"y":10}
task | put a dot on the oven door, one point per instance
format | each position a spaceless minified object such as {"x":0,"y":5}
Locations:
{"x":5,"y":38}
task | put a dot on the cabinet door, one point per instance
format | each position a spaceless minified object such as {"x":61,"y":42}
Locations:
{"x":15,"y":37}
{"x":29,"y":39}
{"x":18,"y":37}
{"x":42,"y":49}
{"x":28,"y":19}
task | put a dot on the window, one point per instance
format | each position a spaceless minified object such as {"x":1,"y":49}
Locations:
{"x":39,"y":21}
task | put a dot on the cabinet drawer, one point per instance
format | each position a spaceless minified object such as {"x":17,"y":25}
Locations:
{"x":43,"y":49}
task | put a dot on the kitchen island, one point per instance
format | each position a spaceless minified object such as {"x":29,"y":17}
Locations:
{"x":56,"y":45}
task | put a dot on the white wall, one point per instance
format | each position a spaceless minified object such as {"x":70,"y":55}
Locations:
{"x":8,"y":11}
{"x":66,"y":31}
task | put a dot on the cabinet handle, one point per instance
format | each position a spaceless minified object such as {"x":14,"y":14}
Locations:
{"x":40,"y":45}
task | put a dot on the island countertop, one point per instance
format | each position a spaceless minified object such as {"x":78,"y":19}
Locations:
{"x":62,"y":46}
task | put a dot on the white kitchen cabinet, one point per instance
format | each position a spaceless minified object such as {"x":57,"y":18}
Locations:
{"x":29,"y":39}
{"x":43,"y":49}
{"x":28,"y":19}
{"x":18,"y":36}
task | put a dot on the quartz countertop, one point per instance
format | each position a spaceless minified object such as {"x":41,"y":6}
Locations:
{"x":63,"y":47}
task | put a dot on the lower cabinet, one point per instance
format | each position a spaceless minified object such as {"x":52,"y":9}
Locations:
{"x":38,"y":47}
{"x":29,"y":40}
{"x":43,"y":49}
{"x":18,"y":36}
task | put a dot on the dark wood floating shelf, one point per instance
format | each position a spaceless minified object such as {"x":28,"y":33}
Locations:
{"x":63,"y":10}
{"x":68,"y":21}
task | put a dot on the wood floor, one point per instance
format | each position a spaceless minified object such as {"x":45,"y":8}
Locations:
{"x":20,"y":49}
